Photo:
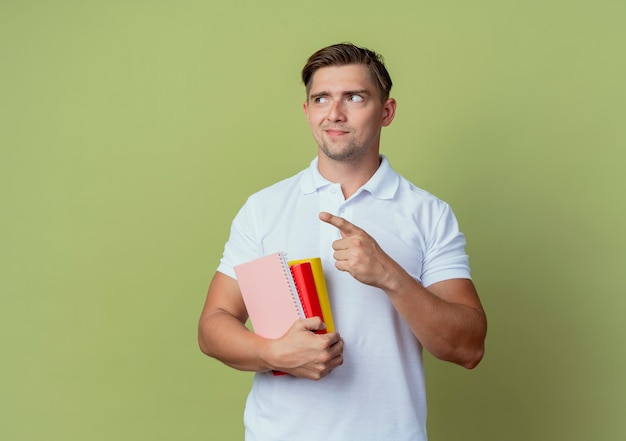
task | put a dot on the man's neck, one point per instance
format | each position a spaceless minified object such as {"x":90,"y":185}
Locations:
{"x":352,"y":175}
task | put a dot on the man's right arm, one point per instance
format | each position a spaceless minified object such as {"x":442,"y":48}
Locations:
{"x":222,"y":334}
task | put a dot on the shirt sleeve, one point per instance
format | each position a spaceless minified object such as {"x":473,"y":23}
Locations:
{"x":241,"y":246}
{"x":445,"y":256}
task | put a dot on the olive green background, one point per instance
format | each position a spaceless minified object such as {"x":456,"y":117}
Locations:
{"x":132,"y":131}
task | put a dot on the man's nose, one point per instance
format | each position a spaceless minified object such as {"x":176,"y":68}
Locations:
{"x":336,"y":112}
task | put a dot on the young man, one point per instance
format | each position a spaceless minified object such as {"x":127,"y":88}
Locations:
{"x":395,"y":265}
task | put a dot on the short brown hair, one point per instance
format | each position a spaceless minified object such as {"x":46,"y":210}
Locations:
{"x":347,"y":53}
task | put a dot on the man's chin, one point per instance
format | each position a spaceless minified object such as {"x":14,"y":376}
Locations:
{"x":342,"y":154}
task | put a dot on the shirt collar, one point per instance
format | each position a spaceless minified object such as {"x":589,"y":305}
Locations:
{"x":382,"y":185}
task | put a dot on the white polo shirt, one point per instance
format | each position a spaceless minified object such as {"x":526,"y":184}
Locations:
{"x":378,"y":394}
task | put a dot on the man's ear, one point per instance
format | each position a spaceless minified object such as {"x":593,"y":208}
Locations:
{"x":305,"y":107}
{"x":389,"y":111}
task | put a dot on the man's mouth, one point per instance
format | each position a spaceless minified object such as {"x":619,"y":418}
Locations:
{"x":335,"y":132}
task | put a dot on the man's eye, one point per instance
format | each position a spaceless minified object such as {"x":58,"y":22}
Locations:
{"x":321,"y":100}
{"x":355,"y":98}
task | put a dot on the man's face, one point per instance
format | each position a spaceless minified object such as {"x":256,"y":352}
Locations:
{"x":345,"y":112}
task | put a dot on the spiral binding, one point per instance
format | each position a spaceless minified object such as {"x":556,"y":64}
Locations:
{"x":295,"y":296}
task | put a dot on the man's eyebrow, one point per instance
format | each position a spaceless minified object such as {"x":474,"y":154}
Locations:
{"x":318,"y":94}
{"x":344,"y":93}
{"x":357,"y":92}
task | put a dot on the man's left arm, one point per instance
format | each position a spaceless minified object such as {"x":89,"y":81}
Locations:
{"x":446,"y":317}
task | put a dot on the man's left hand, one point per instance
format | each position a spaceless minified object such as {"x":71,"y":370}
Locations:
{"x":358,"y":253}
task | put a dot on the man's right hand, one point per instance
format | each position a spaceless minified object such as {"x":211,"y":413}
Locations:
{"x":303,"y":353}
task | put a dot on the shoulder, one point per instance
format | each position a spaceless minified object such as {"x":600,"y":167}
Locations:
{"x":388,"y":183}
{"x":274,"y":200}
{"x":422,"y":208}
{"x":413,"y":195}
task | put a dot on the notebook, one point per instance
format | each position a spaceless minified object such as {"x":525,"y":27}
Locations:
{"x":269,"y":294}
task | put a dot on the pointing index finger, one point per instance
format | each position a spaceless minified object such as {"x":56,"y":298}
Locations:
{"x":345,"y":227}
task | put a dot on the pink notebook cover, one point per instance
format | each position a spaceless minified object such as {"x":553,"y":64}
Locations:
{"x":269,"y":294}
